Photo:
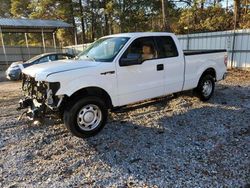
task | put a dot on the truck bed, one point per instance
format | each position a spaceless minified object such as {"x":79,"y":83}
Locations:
{"x":196,"y":61}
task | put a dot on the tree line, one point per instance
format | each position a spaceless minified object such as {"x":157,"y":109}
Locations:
{"x":93,"y":19}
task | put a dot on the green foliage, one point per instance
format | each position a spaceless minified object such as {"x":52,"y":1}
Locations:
{"x":5,"y":8}
{"x":207,"y":19}
{"x":103,"y":17}
{"x":245,"y":24}
{"x":58,"y":10}
{"x":21,"y":8}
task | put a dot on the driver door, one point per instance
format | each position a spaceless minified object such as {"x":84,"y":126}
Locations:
{"x":141,"y":81}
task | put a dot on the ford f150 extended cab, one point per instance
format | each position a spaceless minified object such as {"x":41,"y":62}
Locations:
{"x":115,"y":71}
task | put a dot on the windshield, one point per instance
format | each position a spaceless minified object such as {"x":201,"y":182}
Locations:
{"x":34,"y":58}
{"x":104,"y":49}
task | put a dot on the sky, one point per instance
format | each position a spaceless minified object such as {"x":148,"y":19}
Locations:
{"x":224,"y":3}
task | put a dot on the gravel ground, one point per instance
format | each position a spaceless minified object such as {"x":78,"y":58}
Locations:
{"x":178,"y":142}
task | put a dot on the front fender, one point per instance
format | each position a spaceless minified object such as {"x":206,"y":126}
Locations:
{"x":73,"y":84}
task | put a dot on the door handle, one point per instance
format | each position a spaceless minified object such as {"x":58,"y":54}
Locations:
{"x":160,"y":67}
{"x":108,"y":72}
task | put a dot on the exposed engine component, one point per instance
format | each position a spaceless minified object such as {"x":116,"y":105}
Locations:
{"x":38,"y":97}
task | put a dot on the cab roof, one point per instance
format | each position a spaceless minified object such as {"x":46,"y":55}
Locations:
{"x":140,"y":34}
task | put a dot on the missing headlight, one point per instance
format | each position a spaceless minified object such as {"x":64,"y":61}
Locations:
{"x":51,"y":99}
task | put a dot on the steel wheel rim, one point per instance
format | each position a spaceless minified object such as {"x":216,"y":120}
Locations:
{"x":207,"y":88}
{"x":89,"y":117}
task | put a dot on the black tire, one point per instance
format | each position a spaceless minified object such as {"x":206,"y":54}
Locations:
{"x":72,"y":116}
{"x":206,"y":81}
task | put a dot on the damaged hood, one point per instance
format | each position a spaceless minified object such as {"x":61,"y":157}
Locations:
{"x":41,"y":71}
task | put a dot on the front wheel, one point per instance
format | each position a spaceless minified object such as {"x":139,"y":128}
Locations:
{"x":205,"y":88}
{"x":86,"y":117}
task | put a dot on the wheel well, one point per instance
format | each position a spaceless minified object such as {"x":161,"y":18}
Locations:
{"x":209,"y":71}
{"x":92,"y":91}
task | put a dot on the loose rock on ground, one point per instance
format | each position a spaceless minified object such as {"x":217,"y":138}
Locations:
{"x":171,"y":142}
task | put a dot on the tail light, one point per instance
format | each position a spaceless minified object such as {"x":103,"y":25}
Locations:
{"x":225,"y":60}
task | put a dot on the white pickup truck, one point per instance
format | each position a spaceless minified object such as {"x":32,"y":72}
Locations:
{"x":115,"y":71}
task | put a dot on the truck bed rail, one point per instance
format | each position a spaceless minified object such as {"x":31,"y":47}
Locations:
{"x":197,"y":52}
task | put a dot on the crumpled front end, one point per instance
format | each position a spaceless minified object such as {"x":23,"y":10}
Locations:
{"x":39,"y":97}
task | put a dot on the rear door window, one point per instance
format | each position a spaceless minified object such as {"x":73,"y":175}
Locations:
{"x":166,"y":47}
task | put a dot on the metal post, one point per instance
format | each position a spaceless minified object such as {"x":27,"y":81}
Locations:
{"x":188,"y":41}
{"x":75,"y":36}
{"x":44,"y":47}
{"x":4,"y":51}
{"x":27,"y":44}
{"x":54,"y":40}
{"x":232,"y":56}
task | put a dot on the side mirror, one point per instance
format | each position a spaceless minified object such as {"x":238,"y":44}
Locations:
{"x":131,"y":59}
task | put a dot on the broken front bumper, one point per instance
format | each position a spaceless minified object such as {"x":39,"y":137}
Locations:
{"x":34,"y":110}
{"x":39,"y":98}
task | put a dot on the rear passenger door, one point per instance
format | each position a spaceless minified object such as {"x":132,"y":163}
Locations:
{"x":172,"y":62}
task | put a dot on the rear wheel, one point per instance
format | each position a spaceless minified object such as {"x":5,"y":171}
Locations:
{"x":205,"y":88}
{"x":86,"y":117}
